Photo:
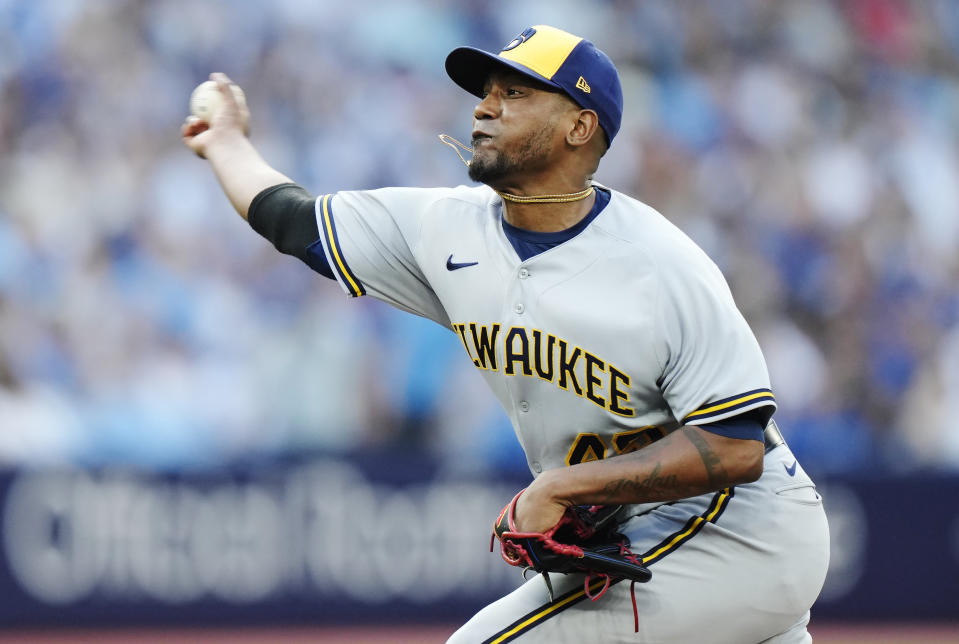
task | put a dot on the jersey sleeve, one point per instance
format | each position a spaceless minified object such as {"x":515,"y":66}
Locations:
{"x":369,"y":239}
{"x":712,"y":366}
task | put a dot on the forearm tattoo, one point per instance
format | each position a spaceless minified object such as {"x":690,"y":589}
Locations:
{"x":715,"y":472}
{"x":650,"y":487}
{"x":657,"y":486}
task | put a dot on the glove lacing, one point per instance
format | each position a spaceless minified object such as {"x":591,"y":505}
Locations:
{"x":629,"y":556}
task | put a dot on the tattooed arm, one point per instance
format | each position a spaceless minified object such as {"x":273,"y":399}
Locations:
{"x":688,"y":462}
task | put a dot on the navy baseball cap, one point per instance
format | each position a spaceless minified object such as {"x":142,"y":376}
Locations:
{"x":553,"y":57}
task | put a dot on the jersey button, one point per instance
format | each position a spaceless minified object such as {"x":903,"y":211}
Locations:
{"x":537,"y":467}
{"x":523,"y":273}
{"x":523,"y":405}
{"x":519,"y":308}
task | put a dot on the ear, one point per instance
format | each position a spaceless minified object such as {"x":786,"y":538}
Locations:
{"x":585,"y":127}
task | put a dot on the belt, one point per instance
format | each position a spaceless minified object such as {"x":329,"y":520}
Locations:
{"x":772,"y":437}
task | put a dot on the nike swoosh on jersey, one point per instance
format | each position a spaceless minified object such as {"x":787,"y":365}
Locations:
{"x":455,"y":266}
{"x":791,"y":469}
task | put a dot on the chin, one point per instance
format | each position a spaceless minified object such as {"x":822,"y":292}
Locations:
{"x":487,"y":170}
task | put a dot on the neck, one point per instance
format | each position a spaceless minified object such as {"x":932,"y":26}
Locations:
{"x":542,"y":208}
{"x":547,"y":213}
{"x":557,"y":198}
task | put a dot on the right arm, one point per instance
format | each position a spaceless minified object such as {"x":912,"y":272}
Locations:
{"x":274,"y":206}
{"x":371,"y":235}
{"x":240,"y":169}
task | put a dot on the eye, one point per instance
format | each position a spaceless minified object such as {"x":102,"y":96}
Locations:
{"x":513,"y":91}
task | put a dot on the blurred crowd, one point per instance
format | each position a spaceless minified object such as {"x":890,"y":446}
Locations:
{"x":809,"y":146}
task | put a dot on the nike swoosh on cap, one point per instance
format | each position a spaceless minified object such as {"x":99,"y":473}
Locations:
{"x":453,"y":266}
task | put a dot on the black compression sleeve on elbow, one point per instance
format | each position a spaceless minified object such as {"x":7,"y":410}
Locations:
{"x":285,"y":214}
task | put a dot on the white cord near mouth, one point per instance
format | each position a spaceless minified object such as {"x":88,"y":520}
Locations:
{"x":456,"y":145}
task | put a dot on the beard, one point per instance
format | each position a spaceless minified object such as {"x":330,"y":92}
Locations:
{"x":494,"y":167}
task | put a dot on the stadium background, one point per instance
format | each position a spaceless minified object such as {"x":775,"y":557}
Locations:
{"x":185,"y":415}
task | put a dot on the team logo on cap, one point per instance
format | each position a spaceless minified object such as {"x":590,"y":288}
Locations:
{"x":583,"y":85}
{"x":520,"y":39}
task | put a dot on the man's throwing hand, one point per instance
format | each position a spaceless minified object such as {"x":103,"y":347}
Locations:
{"x":224,"y":116}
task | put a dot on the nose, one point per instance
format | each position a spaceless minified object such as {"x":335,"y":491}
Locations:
{"x":488,"y":108}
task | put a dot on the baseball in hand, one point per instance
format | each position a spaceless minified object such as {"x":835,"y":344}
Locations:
{"x":206,"y":100}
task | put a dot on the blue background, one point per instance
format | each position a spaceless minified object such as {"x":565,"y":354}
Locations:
{"x":152,"y":344}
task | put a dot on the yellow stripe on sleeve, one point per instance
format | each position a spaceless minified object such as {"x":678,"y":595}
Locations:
{"x":334,"y":248}
{"x":731,"y":403}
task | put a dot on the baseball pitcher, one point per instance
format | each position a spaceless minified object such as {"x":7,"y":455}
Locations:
{"x":665,"y":504}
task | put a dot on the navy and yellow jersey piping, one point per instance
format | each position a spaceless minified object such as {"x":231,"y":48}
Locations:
{"x":731,"y":406}
{"x":717,"y":506}
{"x":334,"y":252}
{"x":542,"y":613}
{"x":666,"y":546}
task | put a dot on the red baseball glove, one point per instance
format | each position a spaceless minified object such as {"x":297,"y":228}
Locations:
{"x":584,"y":541}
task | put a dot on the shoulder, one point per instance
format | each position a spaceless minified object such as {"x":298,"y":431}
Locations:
{"x":650,"y":233}
{"x":422,"y":200}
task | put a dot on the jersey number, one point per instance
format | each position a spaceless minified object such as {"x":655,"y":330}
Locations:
{"x":589,"y":446}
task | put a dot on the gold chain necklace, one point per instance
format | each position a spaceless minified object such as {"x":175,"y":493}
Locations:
{"x":566,"y":198}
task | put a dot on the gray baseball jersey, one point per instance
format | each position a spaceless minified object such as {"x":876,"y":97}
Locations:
{"x":595,"y":347}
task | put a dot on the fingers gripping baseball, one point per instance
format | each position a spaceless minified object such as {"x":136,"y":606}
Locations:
{"x":217,"y":108}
